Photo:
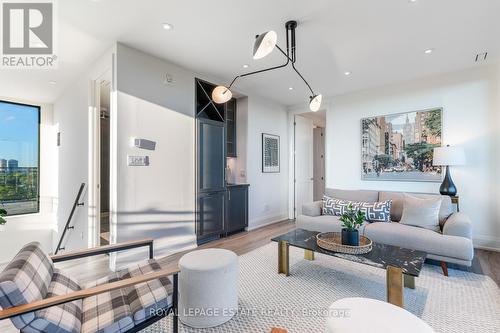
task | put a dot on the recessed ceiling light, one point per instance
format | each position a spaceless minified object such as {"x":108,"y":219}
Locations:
{"x":290,"y":88}
{"x":167,"y":26}
{"x":52,"y":82}
{"x":429,"y":51}
{"x":245,"y":66}
{"x":413,"y":1}
{"x":347,"y":73}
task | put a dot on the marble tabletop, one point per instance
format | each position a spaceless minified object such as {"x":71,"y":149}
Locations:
{"x":381,"y":255}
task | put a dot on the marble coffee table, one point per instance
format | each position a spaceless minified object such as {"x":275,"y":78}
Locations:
{"x":402,"y":265}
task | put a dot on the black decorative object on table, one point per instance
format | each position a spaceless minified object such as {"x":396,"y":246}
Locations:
{"x":448,"y":187}
{"x":351,"y":219}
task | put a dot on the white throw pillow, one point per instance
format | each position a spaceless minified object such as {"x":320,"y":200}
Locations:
{"x":423,"y":213}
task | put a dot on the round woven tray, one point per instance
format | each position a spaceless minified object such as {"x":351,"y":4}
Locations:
{"x":332,"y":241}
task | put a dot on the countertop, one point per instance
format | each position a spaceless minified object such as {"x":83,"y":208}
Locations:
{"x":236,"y":184}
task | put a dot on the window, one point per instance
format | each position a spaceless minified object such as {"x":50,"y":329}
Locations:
{"x":19,"y":158}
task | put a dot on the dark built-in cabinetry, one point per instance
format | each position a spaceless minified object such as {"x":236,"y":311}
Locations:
{"x":236,"y":207}
{"x":221,"y":208}
{"x":231,"y":128}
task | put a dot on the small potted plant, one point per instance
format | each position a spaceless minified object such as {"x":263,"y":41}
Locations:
{"x":352,"y":219}
{"x":3,"y":213}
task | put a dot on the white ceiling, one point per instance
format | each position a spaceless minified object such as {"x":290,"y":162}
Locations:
{"x":380,"y":42}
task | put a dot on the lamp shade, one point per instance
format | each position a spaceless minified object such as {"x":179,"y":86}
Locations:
{"x":221,"y":94}
{"x":264,"y":44}
{"x":448,"y":156}
{"x":315,"y":102}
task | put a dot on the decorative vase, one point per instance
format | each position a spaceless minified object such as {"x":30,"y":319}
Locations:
{"x":350,"y":237}
{"x":448,"y":187}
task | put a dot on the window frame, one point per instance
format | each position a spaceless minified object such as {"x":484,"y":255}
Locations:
{"x":39,"y":108}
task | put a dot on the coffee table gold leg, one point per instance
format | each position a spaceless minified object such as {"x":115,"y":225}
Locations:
{"x":308,"y":255}
{"x":395,"y":292}
{"x":409,"y":281}
{"x":283,"y":263}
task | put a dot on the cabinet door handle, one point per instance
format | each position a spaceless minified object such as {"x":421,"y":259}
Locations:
{"x":229,"y":193}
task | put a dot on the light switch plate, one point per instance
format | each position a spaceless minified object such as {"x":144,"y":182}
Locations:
{"x":138,"y":160}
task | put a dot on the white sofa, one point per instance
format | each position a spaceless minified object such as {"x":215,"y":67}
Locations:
{"x":453,"y":244}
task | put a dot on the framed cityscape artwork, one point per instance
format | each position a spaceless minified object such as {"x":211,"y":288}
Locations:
{"x":270,"y":153}
{"x":399,"y":147}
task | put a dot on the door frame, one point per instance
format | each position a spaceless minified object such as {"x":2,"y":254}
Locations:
{"x":295,"y":160}
{"x":95,"y":155}
{"x":292,"y":112}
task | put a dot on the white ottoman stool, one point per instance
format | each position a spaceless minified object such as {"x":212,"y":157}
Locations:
{"x":370,"y":315}
{"x":208,"y":287}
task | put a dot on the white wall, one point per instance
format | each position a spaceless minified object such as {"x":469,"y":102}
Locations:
{"x":268,"y":192}
{"x":156,"y":201}
{"x":23,"y":229}
{"x":471,"y":106}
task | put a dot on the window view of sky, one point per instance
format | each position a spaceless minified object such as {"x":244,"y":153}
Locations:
{"x":19,"y":134}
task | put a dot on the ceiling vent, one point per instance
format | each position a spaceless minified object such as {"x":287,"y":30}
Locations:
{"x":480,"y":57}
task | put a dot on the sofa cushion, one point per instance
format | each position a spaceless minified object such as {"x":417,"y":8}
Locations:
{"x":64,"y":318}
{"x":146,"y":298}
{"x":323,"y":223}
{"x":108,"y":312}
{"x":353,"y":195}
{"x":423,"y":213}
{"x":313,"y":208}
{"x":398,"y":202}
{"x":416,"y":238}
{"x":25,"y":279}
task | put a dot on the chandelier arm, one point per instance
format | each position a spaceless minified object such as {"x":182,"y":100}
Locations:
{"x":303,"y":79}
{"x":260,"y":71}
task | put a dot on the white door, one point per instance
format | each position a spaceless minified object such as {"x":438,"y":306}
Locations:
{"x":304,"y":162}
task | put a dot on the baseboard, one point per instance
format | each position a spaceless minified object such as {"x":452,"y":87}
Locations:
{"x":487,"y":243}
{"x":266,"y":222}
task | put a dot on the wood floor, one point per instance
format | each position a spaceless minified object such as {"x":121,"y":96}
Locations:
{"x":485,"y":262}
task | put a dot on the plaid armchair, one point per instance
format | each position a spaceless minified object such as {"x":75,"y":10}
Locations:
{"x":39,"y":298}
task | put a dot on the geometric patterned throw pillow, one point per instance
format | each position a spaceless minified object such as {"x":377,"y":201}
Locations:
{"x":374,"y":211}
{"x":332,"y":206}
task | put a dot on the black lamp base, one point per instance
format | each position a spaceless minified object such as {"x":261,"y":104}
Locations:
{"x":448,"y":187}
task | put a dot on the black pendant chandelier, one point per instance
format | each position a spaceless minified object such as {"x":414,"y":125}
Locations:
{"x":264,"y":44}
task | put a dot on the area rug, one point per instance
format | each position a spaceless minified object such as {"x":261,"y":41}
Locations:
{"x":462,"y":302}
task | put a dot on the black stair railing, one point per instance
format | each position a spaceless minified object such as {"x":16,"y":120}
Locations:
{"x":67,"y":226}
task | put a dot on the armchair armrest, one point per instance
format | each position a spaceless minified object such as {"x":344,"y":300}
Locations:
{"x":57,"y":300}
{"x":312,"y":208}
{"x":105,"y":250}
{"x":458,"y":224}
